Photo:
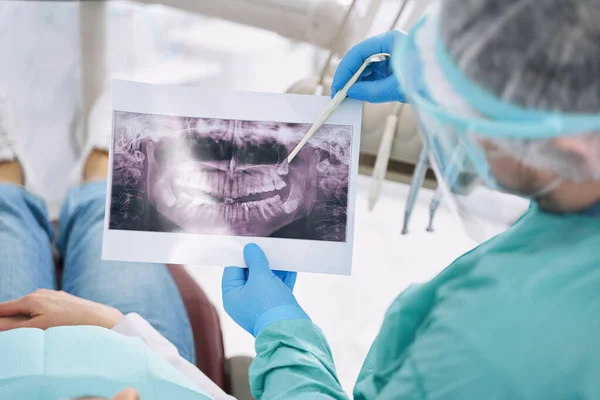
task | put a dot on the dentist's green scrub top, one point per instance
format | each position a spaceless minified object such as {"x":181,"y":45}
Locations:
{"x":516,"y":318}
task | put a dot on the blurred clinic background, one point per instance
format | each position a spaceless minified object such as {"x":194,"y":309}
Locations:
{"x":57,"y":60}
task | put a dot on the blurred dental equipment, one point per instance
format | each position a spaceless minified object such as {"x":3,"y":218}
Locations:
{"x":334,"y":103}
{"x":392,"y":126}
{"x":330,"y":24}
{"x":322,"y":83}
{"x":338,"y":37}
{"x":437,"y":197}
{"x":433,"y":206}
{"x":387,"y":139}
{"x":92,"y":31}
{"x":383,"y":123}
{"x":310,"y":21}
{"x":383,"y":155}
{"x":416,"y":183}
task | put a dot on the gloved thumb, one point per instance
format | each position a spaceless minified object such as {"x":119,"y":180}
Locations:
{"x":256,"y":260}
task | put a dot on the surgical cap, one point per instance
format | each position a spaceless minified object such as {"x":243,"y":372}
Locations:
{"x":538,"y":54}
{"x":535,"y":54}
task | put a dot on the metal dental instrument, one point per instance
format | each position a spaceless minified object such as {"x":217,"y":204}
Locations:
{"x":451,"y":175}
{"x":433,"y":206}
{"x":334,"y":103}
{"x":415,"y":185}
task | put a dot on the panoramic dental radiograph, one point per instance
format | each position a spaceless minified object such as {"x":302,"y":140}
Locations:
{"x":228,"y":177}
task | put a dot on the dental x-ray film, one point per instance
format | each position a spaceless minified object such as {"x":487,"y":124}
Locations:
{"x":197,"y":173}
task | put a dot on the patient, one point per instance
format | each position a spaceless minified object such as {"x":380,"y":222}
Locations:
{"x":90,"y":346}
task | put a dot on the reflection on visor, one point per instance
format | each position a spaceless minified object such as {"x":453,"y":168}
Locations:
{"x":451,"y":159}
{"x":452,"y":131}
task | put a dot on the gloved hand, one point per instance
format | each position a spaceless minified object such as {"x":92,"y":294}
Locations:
{"x":257,"y":297}
{"x":377,"y":84}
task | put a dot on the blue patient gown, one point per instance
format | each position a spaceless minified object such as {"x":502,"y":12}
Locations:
{"x":71,"y":361}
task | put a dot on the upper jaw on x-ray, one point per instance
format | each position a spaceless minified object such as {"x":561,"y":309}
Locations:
{"x":230,"y":177}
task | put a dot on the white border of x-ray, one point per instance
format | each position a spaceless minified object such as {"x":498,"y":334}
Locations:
{"x":214,"y":250}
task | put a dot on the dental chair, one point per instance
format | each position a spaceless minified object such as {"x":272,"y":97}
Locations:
{"x":231,"y":374}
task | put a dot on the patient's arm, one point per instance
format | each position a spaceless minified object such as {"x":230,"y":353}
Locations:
{"x":134,"y":325}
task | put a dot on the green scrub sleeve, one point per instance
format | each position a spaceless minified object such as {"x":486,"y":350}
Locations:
{"x":293,"y":361}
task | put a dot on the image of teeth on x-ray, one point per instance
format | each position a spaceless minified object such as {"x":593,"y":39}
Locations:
{"x":229,"y":177}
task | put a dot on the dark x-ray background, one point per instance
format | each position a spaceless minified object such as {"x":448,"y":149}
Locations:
{"x":131,"y":209}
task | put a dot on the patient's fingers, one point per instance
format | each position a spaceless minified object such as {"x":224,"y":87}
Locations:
{"x":15,"y":307}
{"x":8,"y":323}
{"x":127,"y":394}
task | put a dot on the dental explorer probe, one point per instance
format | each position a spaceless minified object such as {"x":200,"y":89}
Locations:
{"x":334,"y":104}
{"x":415,"y":185}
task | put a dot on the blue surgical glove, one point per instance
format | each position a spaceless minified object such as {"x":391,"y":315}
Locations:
{"x":377,"y":84}
{"x":257,"y":297}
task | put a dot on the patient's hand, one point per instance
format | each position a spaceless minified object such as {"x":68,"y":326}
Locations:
{"x":48,"y":308}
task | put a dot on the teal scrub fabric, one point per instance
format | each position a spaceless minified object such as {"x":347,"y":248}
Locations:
{"x":518,"y":318}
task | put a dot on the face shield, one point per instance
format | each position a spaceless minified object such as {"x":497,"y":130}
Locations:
{"x":478,"y":141}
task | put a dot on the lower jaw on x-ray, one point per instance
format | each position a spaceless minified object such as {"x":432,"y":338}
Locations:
{"x":228,"y":177}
